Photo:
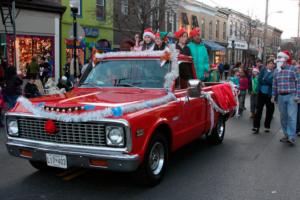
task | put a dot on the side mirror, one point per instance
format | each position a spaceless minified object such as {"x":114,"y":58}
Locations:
{"x":194,"y":88}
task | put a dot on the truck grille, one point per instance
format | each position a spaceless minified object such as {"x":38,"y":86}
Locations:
{"x":85,"y":134}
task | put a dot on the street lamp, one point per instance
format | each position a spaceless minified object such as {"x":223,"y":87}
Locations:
{"x":74,"y":10}
{"x":267,"y":14}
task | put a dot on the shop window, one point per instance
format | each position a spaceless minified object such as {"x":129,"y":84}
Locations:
{"x":174,"y":22}
{"x":124,"y":7}
{"x":100,"y":10}
{"x":185,"y":74}
{"x":185,"y":20}
{"x":194,"y":21}
{"x":236,"y":28}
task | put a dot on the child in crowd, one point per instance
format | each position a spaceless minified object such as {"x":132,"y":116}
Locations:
{"x":235,"y":76}
{"x":214,"y":75}
{"x":244,"y":85}
{"x":160,"y":41}
{"x":253,"y":90}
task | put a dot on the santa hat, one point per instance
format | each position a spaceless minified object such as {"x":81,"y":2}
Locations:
{"x":180,"y":33}
{"x":149,"y":32}
{"x":196,"y":31}
{"x":284,"y":56}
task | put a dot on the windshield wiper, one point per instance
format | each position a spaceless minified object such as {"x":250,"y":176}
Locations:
{"x":129,"y":85}
{"x":91,"y":84}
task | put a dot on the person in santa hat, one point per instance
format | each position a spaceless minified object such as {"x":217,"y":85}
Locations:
{"x":286,"y":92}
{"x":148,"y":38}
{"x":199,"y":54}
{"x":182,"y":36}
{"x":160,"y":41}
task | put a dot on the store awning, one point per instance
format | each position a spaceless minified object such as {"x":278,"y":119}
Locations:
{"x":213,"y":46}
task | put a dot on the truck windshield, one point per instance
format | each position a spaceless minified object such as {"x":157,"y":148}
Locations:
{"x":127,"y":73}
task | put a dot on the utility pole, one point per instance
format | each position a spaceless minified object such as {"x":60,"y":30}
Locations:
{"x":265,"y":32}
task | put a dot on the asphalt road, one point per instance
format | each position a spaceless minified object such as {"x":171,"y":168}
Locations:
{"x":245,"y":166}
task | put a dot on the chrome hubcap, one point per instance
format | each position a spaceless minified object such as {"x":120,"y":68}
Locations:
{"x":221,"y":129}
{"x":157,"y":158}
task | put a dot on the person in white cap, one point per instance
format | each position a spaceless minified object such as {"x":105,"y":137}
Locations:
{"x":286,"y":89}
{"x":148,"y":40}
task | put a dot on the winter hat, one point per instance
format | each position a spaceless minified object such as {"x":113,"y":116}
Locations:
{"x":149,"y":32}
{"x":284,"y":56}
{"x":214,"y":67}
{"x":196,"y":31}
{"x":180,"y":33}
{"x":162,"y":36}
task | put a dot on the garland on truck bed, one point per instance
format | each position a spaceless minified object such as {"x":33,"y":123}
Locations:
{"x":170,"y":77}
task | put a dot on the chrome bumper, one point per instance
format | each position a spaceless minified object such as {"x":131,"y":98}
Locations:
{"x":76,"y":156}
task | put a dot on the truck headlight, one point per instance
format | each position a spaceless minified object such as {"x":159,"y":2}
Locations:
{"x":114,"y":136}
{"x":13,"y":128}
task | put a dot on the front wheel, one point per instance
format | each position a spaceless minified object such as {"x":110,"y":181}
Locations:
{"x":217,"y":134}
{"x":155,"y":161}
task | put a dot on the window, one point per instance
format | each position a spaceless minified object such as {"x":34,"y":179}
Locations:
{"x":124,"y":7}
{"x":203,"y":28}
{"x":217,"y":29}
{"x":231,"y":28}
{"x":194,"y":21}
{"x":174,"y":22}
{"x":224,"y":30}
{"x":169,"y":22}
{"x":100,"y":10}
{"x":210,"y":30}
{"x":236,"y":28}
{"x":185,"y":20}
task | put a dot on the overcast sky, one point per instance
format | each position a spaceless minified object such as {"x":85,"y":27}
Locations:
{"x":286,"y":21}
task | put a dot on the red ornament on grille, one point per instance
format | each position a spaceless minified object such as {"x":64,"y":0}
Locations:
{"x":50,"y":127}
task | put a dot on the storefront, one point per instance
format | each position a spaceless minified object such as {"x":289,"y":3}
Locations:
{"x":216,"y":52}
{"x":240,"y":48}
{"x":37,"y":34}
{"x":28,"y":46}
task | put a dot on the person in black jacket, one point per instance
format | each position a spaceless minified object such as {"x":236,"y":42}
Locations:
{"x":12,"y":88}
{"x":31,"y":89}
{"x":182,"y":37}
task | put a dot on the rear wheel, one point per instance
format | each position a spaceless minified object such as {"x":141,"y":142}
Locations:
{"x":155,"y":162}
{"x":217,"y":134}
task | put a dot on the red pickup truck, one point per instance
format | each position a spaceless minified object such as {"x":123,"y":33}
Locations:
{"x":128,"y":113}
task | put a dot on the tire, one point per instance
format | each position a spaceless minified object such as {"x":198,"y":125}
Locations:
{"x":155,"y":161}
{"x":42,"y":166}
{"x":218,"y":133}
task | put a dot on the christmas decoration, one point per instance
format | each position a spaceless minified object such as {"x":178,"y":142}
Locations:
{"x":50,"y":127}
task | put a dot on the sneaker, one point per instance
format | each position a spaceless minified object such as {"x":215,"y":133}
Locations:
{"x":267,"y":130}
{"x":284,"y":139}
{"x":255,"y":130}
{"x":291,"y":141}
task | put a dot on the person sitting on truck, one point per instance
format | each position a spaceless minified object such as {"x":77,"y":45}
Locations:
{"x":199,"y":54}
{"x":148,"y":36}
{"x":160,"y":41}
{"x":182,"y":37}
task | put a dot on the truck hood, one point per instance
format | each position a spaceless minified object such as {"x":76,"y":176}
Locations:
{"x":96,"y":99}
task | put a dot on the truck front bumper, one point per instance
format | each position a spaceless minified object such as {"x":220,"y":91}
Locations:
{"x":76,"y":156}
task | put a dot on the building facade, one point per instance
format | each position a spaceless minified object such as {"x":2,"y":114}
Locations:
{"x":213,"y":25}
{"x":38,"y":33}
{"x":95,"y":24}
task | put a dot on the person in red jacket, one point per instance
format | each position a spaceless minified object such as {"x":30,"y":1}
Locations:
{"x":244,"y":85}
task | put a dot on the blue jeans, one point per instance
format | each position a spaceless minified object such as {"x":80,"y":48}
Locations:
{"x":288,"y":114}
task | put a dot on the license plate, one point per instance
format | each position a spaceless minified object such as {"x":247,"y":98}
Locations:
{"x":55,"y":160}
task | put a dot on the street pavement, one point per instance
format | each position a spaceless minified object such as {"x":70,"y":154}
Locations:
{"x":244,"y":167}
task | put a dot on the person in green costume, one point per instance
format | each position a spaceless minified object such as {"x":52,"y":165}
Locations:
{"x":214,"y":75}
{"x":199,"y":54}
